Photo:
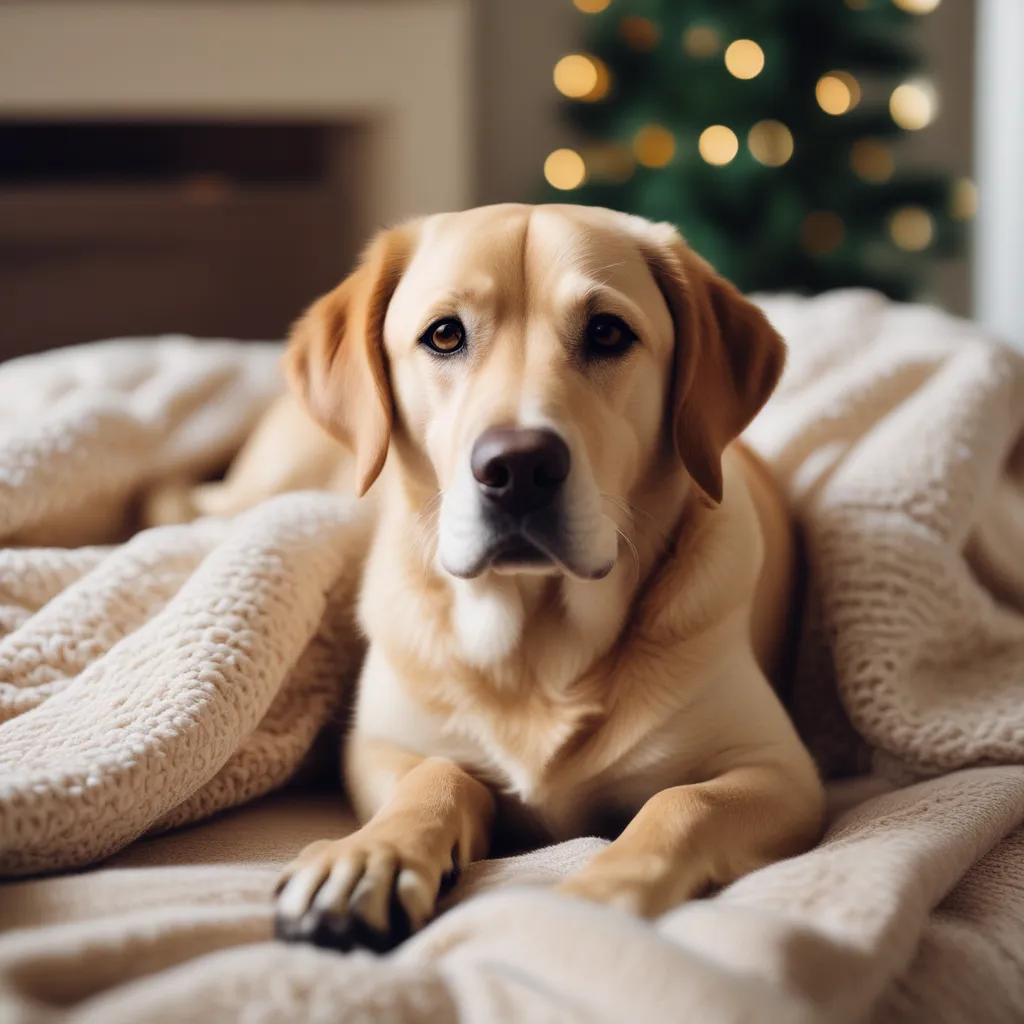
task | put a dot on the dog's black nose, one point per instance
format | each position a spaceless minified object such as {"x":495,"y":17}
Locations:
{"x":520,"y":470}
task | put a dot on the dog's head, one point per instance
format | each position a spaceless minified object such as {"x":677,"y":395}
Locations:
{"x":534,"y":365}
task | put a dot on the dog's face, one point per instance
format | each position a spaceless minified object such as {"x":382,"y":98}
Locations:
{"x":534,"y":365}
{"x":530,"y":355}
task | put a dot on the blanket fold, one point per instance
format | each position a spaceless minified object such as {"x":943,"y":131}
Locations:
{"x":152,"y":683}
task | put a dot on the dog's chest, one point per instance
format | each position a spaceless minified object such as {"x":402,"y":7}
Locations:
{"x":547,"y":759}
{"x":517,"y":748}
{"x":566,"y":782}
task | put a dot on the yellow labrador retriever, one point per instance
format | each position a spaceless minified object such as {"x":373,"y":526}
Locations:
{"x":578,"y":586}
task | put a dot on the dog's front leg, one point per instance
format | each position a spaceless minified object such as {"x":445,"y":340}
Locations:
{"x":687,"y":839}
{"x":427,"y":818}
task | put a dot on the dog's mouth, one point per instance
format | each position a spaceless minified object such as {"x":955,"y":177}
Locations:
{"x":520,"y":554}
{"x":542,"y":543}
{"x":525,"y":551}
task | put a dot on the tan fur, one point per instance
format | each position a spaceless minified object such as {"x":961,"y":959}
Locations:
{"x":550,"y":701}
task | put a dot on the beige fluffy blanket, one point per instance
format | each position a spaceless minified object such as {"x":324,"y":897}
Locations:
{"x":151,"y":683}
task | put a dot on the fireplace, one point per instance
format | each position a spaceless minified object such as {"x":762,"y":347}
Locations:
{"x":139,"y":228}
{"x":210,"y":167}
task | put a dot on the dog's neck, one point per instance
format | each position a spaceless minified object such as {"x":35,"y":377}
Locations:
{"x":524,"y":629}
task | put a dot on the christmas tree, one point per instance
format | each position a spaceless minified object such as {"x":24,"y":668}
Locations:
{"x":765,"y":130}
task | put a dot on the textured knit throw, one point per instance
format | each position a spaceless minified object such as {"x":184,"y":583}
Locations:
{"x":153,"y":681}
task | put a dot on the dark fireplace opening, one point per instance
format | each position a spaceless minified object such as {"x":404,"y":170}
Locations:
{"x":141,"y":152}
{"x":215,"y":229}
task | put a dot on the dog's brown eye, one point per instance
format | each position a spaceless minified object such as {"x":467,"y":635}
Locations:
{"x":445,"y":336}
{"x":608,"y":335}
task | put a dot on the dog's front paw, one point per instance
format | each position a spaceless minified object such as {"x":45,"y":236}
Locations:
{"x":369,"y":891}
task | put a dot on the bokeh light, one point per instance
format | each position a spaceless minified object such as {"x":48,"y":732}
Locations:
{"x":718,"y":144}
{"x":702,"y":41}
{"x":837,"y":92}
{"x":640,"y":34}
{"x":917,"y":6}
{"x":564,"y":169}
{"x":912,"y":228}
{"x":914,"y":104}
{"x":821,"y":232}
{"x":771,"y":143}
{"x":872,"y":161}
{"x":654,"y":146}
{"x":582,"y":77}
{"x":591,"y":6}
{"x":744,"y":59}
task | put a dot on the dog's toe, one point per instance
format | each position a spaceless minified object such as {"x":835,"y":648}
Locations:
{"x":352,"y":899}
{"x":343,"y":932}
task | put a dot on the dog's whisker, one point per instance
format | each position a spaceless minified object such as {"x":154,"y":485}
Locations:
{"x":631,"y":511}
{"x":431,"y":507}
{"x":427,"y":532}
{"x":425,"y":550}
{"x":634,"y":552}
{"x":620,"y":504}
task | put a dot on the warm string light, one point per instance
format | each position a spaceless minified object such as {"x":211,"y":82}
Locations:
{"x":770,"y":143}
{"x":582,"y":77}
{"x":564,"y":169}
{"x":917,"y":6}
{"x":871,"y":161}
{"x":913,"y":105}
{"x":744,"y":59}
{"x":718,"y":145}
{"x":911,"y":6}
{"x":912,"y":228}
{"x":702,"y":41}
{"x":640,"y":34}
{"x":837,"y":92}
{"x":654,"y":146}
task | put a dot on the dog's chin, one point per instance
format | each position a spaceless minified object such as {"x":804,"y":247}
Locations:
{"x":521,"y":554}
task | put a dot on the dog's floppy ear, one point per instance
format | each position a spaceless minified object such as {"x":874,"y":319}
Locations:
{"x":728,"y":358}
{"x":335,"y":360}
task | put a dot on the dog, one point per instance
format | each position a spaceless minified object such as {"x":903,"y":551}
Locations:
{"x":580,"y":582}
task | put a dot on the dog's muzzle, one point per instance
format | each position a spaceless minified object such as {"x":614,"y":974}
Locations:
{"x":521,"y":473}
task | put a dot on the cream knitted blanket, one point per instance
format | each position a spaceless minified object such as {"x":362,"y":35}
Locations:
{"x":151,"y":683}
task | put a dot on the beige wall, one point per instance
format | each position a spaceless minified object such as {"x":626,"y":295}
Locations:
{"x":517,"y":123}
{"x":520,"y":40}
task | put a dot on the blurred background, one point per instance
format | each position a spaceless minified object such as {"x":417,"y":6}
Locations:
{"x":209,"y":166}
